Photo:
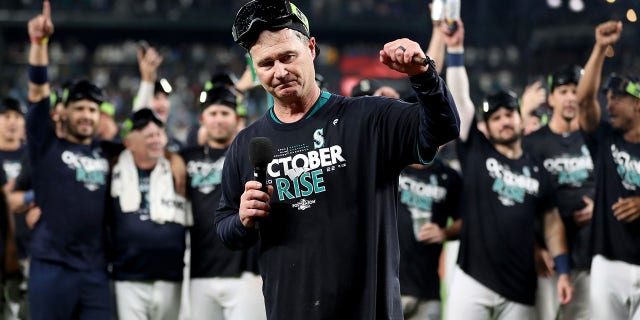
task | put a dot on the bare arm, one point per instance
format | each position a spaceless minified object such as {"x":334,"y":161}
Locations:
{"x":606,"y":34}
{"x":457,"y":78}
{"x":554,"y":236}
{"x":148,"y":62}
{"x":40,"y":29}
{"x":436,"y":46}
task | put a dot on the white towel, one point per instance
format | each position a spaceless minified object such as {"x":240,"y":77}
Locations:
{"x":165,"y":204}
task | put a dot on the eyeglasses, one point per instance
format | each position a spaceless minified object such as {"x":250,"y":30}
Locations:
{"x":622,"y":85}
{"x":502,"y":99}
{"x":80,"y":90}
{"x":258,"y":15}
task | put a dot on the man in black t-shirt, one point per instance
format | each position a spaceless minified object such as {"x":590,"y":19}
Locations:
{"x":615,"y":149}
{"x":561,"y":149}
{"x":224,"y":283}
{"x":148,"y":223}
{"x":67,"y":273}
{"x":504,"y":191}
{"x":327,"y":221}
{"x":428,"y":197}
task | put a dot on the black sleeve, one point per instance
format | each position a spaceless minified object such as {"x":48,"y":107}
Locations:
{"x":40,"y":130}
{"x":547,"y":199}
{"x":230,"y":230}
{"x":23,"y":180}
{"x":439,"y":119}
{"x":3,"y":177}
{"x":454,"y":193}
{"x":475,"y":140}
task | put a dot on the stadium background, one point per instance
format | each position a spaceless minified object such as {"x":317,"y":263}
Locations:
{"x":508,"y":43}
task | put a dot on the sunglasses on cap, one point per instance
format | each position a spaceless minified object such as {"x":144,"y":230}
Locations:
{"x":139,"y":120}
{"x":501,"y":99}
{"x":622,"y":85}
{"x":217,"y":95}
{"x":80,"y":90}
{"x":566,"y":75}
{"x":259,"y":15}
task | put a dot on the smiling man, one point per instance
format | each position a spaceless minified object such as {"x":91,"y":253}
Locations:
{"x":615,"y":149}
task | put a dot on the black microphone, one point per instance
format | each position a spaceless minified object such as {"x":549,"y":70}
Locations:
{"x":260,"y":155}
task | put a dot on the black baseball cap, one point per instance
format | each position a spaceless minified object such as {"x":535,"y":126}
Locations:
{"x":162,"y":86}
{"x":565,"y":75}
{"x":500,"y":99}
{"x":11,"y":104}
{"x":82,"y":89}
{"x":623,"y":85}
{"x":259,"y":15}
{"x":365,"y":87}
{"x":139,"y":120}
{"x":217,"y":95}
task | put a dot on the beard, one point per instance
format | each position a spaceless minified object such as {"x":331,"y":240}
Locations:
{"x":73,"y":131}
{"x":506,"y":141}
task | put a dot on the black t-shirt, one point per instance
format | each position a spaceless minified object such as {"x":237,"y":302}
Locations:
{"x":617,"y":164}
{"x":501,"y":199}
{"x":11,"y":161}
{"x":330,"y":247}
{"x":209,"y":257}
{"x":143,"y":249}
{"x":425,"y":195}
{"x":567,"y":159}
{"x":70,"y":182}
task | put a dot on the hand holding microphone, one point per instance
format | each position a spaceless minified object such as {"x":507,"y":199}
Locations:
{"x":254,"y":202}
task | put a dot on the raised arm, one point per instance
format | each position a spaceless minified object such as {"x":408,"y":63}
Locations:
{"x":40,"y":29}
{"x":606,"y":34}
{"x":436,"y":44}
{"x":148,"y":62}
{"x":439,"y":120}
{"x":457,"y":78}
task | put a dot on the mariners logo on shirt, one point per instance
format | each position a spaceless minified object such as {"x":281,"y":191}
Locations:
{"x":511,"y":187}
{"x":298,"y":171}
{"x":628,"y":168}
{"x":11,"y":168}
{"x":205,"y":175}
{"x":90,"y":171}
{"x":571,"y":169}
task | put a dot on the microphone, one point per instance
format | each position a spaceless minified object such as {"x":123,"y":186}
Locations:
{"x":260,"y":155}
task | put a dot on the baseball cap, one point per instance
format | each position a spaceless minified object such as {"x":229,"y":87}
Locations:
{"x":139,"y":120}
{"x":162,"y":86}
{"x":82,"y":89}
{"x":500,"y":99}
{"x":623,"y":85}
{"x":365,"y":87}
{"x":217,"y":95}
{"x":565,"y":75}
{"x":11,"y":104}
{"x":259,"y":15}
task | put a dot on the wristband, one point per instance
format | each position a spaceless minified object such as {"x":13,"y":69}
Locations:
{"x":38,"y":74}
{"x":562,"y":263}
{"x":43,"y":40}
{"x":455,"y":59}
{"x":28,"y":197}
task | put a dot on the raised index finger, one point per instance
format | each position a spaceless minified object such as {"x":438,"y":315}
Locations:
{"x":46,"y":9}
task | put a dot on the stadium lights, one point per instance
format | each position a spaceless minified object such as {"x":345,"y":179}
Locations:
{"x":631,"y":15}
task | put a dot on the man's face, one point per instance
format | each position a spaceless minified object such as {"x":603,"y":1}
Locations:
{"x":11,"y":125}
{"x":161,"y":105}
{"x":220,"y":122}
{"x":81,"y":118}
{"x":284,"y":64}
{"x":564,"y":101}
{"x":148,"y":143}
{"x":504,"y":126}
{"x":623,"y":110}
